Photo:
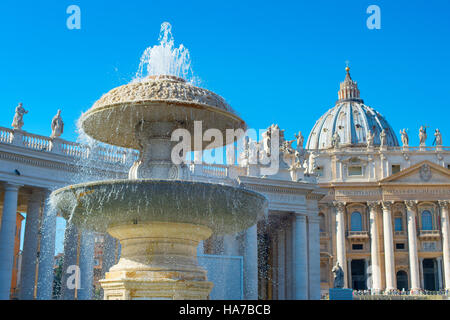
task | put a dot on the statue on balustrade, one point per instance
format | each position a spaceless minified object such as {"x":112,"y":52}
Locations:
{"x":338,"y":276}
{"x":57,"y":125}
{"x":405,"y":138}
{"x":18,"y":117}
{"x":438,"y":138}
{"x":300,"y":140}
{"x":422,"y":135}
{"x":383,"y":138}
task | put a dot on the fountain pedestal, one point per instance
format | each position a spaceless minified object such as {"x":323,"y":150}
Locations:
{"x":158,"y":261}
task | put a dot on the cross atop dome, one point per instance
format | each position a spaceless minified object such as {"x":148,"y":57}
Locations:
{"x":348,"y":88}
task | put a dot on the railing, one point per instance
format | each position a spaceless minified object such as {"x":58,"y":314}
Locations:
{"x":215,"y":170}
{"x":429,"y":233}
{"x":36,"y":142}
{"x":399,"y":234}
{"x":402,"y":295}
{"x":6,"y":135}
{"x":358,"y":234}
{"x":70,"y":149}
{"x":389,"y":148}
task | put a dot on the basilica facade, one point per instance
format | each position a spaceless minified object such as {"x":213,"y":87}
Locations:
{"x":385,"y":215}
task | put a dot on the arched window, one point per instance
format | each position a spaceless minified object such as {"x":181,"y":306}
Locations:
{"x":356,"y":221}
{"x":427,"y":220}
{"x":398,"y":222}
{"x":322,"y":225}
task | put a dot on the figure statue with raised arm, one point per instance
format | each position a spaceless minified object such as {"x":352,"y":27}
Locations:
{"x":438,"y":138}
{"x":405,"y":138}
{"x":338,"y":276}
{"x":57,"y":125}
{"x":18,"y":117}
{"x":300,"y":140}
{"x":422,"y":135}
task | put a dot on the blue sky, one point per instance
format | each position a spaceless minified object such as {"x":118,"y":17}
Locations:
{"x":274,"y":62}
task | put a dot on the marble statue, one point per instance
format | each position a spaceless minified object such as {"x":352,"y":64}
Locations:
{"x":18,"y":117}
{"x":438,"y":138}
{"x":405,"y":138}
{"x":57,"y":125}
{"x":370,"y":137}
{"x":312,"y":165}
{"x":300,"y":140}
{"x":383,"y":138}
{"x":422,"y":135}
{"x":335,"y":140}
{"x":338,"y":276}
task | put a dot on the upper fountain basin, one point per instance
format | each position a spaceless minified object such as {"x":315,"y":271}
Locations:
{"x":102,"y":204}
{"x":114,"y":117}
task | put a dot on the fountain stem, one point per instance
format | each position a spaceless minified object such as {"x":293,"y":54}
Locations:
{"x":158,"y":261}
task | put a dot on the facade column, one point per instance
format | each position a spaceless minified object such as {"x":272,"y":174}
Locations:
{"x":414,"y":270}
{"x":439,"y":272}
{"x":340,"y":238}
{"x":7,"y":232}
{"x":445,"y":226}
{"x":314,"y":257}
{"x":374,"y":247}
{"x":388,"y":245}
{"x":251,"y":264}
{"x":231,"y":245}
{"x":281,"y":264}
{"x":300,"y":256}
{"x":30,"y":246}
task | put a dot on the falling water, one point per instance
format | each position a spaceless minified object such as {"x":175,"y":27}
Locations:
{"x":165,"y":58}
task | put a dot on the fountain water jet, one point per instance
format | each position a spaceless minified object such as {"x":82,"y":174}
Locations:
{"x":158,"y":218}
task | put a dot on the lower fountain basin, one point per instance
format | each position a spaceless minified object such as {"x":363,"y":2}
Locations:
{"x":99,"y":205}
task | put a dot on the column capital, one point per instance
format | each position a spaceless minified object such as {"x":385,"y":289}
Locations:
{"x":313,"y":219}
{"x":373,"y":205}
{"x":339,"y":205}
{"x":387,"y":205}
{"x":444,"y":204}
{"x":300,"y":217}
{"x":411,"y":205}
{"x":11,"y":186}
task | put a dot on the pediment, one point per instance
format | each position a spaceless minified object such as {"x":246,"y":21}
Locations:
{"x":424,"y":172}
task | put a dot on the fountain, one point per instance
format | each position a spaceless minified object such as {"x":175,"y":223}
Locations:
{"x":158,"y":217}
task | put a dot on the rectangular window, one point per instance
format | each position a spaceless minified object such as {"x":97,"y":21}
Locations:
{"x":400,"y":246}
{"x":429,"y":246}
{"x":395,"y":168}
{"x":357,"y":246}
{"x":355,"y":171}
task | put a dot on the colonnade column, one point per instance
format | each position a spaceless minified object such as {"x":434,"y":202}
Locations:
{"x":251,"y":263}
{"x":388,"y":245}
{"x":46,"y":251}
{"x":281,"y":238}
{"x":70,"y":273}
{"x":445,"y":225}
{"x":314,"y":257}
{"x":86,"y":264}
{"x":414,"y":270}
{"x":374,"y":247}
{"x":7,"y":233}
{"x":340,"y":238}
{"x":300,"y":256}
{"x":30,"y":246}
